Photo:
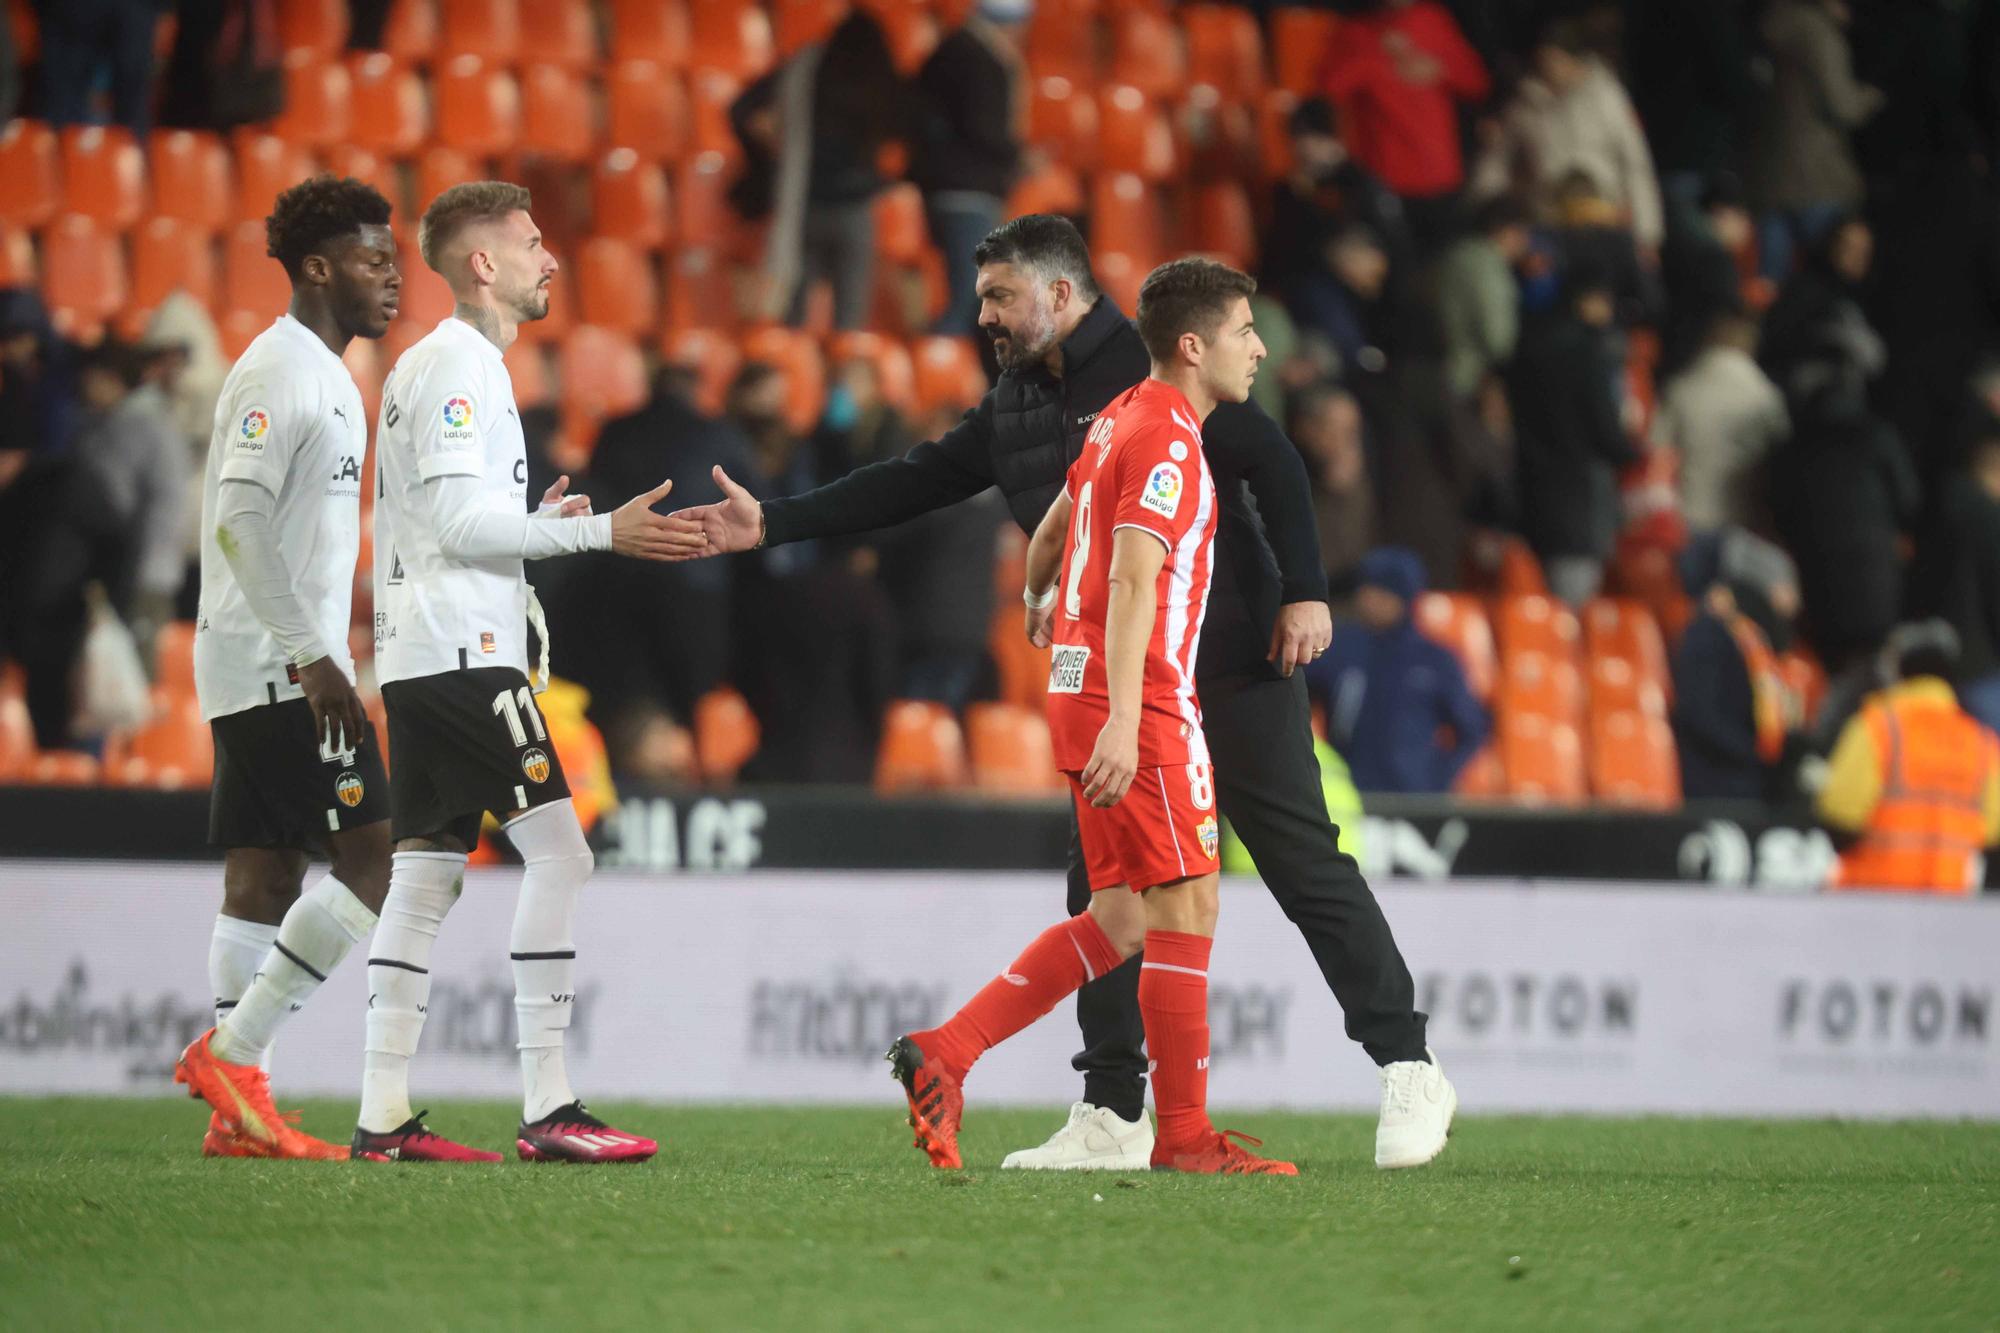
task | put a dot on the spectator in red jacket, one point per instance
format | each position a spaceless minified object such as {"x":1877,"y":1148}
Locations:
{"x":1397,"y":75}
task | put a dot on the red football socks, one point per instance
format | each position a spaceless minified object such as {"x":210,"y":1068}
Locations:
{"x":1173,"y":999}
{"x":1061,"y":960}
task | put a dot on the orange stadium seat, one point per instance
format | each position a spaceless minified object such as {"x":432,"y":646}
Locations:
{"x":711,"y":92}
{"x":478,"y":107}
{"x":922,"y":748}
{"x":238,"y":328}
{"x":1063,"y":120}
{"x":646,"y":110}
{"x":1459,"y":623}
{"x":1537,"y":683}
{"x":1225,"y":50}
{"x":363,"y":359}
{"x":702,"y":213}
{"x":725,"y":734}
{"x":948,"y":374}
{"x":487,"y":29}
{"x":104,"y":175}
{"x":1632,"y":762}
{"x":30,"y":185}
{"x":649,"y":30}
{"x":168,"y":255}
{"x":266,"y":166}
{"x":1520,"y":569}
{"x":912,"y":29}
{"x":176,"y":746}
{"x":1222,"y":224}
{"x":1134,"y":133}
{"x":561,"y":32}
{"x":83,"y":276}
{"x":1020,"y":668}
{"x":1010,"y":750}
{"x":1625,"y":628}
{"x":366,"y":167}
{"x":1299,"y":42}
{"x":411,"y":32}
{"x":1534,"y":623}
{"x":799,"y":23}
{"x":319,"y":99}
{"x":602,"y":375}
{"x":616,"y":287}
{"x":1217,"y":137}
{"x":1063,"y":42}
{"x":1127,"y":217}
{"x":710,"y":357}
{"x":1274,"y":136}
{"x":17,"y":259}
{"x":1542,"y":759}
{"x":1482,"y":778}
{"x":901,"y":233}
{"x":389,"y":114}
{"x":17,"y":738}
{"x":730,"y":36}
{"x":1051,"y":188}
{"x":426,"y":299}
{"x":629,"y":199}
{"x":317,"y":27}
{"x":895,"y":377}
{"x":251,"y":279}
{"x":1147,"y":53}
{"x":794,"y":353}
{"x":63,"y":768}
{"x":190,"y":177}
{"x":1616,"y":686}
{"x":438,"y":169}
{"x":700,"y":291}
{"x":556,"y":117}
{"x":528,"y":368}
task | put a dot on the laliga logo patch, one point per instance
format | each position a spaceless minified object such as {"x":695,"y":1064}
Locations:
{"x":1163,"y":491}
{"x":457,"y":414}
{"x":251,"y":430}
{"x":535,"y":763}
{"x":1206,"y":831}
{"x":348,"y":787}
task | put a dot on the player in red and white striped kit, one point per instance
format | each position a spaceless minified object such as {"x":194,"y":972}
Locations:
{"x":1133,"y":538}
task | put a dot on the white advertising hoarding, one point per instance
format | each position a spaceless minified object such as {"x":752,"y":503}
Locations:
{"x":778,"y":986}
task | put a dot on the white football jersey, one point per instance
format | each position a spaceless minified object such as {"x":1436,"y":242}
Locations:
{"x":447,"y":410}
{"x":289,"y":420}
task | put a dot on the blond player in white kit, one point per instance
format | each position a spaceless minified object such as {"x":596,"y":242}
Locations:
{"x":296,"y":763}
{"x":452,"y":611}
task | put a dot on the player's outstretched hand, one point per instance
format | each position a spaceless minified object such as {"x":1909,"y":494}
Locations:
{"x":338,"y":716}
{"x":639,"y":532}
{"x":1114,"y":762}
{"x":733,"y":523}
{"x":564,"y":507}
{"x":1040,"y":625}
{"x":1303,"y":631}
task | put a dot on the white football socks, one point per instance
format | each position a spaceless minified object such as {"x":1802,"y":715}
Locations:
{"x":325,"y":922}
{"x":422,"y":888}
{"x":543,"y":949}
{"x":235,"y":951}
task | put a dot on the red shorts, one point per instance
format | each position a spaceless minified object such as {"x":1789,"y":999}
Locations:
{"x":1162,"y":831}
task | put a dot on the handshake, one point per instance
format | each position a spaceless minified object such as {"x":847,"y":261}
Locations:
{"x":733,"y":523}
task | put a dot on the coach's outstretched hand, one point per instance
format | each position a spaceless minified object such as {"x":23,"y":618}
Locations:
{"x":639,"y":532}
{"x":733,"y":523}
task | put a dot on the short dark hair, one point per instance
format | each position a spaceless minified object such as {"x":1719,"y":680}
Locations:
{"x":321,"y":209}
{"x":1501,"y":212}
{"x":1566,"y":35}
{"x":461,"y":206}
{"x":1044,"y":242}
{"x":1187,"y":296}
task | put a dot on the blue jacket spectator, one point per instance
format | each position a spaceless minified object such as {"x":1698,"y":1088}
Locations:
{"x":1397,"y":705}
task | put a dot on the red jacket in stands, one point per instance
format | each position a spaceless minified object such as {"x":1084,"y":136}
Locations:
{"x":1397,"y":77}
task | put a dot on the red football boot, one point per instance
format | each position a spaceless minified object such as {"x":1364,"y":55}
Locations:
{"x":572,"y":1134}
{"x":1220,"y":1155}
{"x":937,"y":1103}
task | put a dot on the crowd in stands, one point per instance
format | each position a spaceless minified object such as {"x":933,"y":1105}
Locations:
{"x":1644,"y":356}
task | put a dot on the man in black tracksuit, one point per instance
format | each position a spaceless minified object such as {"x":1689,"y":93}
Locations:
{"x":1022,"y":437}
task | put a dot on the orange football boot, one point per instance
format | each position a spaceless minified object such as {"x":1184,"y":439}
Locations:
{"x":241,"y":1096}
{"x":1220,"y":1155}
{"x":222,"y":1140}
{"x":936,"y":1103}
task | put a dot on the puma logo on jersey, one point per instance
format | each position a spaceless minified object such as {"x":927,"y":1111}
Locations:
{"x":341,"y":413}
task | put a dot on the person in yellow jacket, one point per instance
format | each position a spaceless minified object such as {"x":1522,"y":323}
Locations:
{"x":585,"y":763}
{"x":1912,"y":792}
{"x":1343,"y":807}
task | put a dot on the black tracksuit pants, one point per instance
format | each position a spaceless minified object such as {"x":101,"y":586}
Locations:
{"x":1267,"y":782}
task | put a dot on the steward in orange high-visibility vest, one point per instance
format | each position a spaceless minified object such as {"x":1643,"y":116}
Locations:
{"x":1912,"y":794}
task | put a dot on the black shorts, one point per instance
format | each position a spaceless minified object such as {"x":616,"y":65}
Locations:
{"x":275,"y":787}
{"x":463,"y":743}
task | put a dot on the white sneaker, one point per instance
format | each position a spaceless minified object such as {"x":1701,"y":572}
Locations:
{"x":1095,"y":1139}
{"x":1418,"y":1103}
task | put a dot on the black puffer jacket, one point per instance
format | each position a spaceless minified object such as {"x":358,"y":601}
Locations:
{"x":1028,"y":429}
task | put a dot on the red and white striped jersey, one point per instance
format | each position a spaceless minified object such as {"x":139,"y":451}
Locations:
{"x":1141,"y":467}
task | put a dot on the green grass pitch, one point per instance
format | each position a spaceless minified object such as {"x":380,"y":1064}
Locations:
{"x":807,"y":1218}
